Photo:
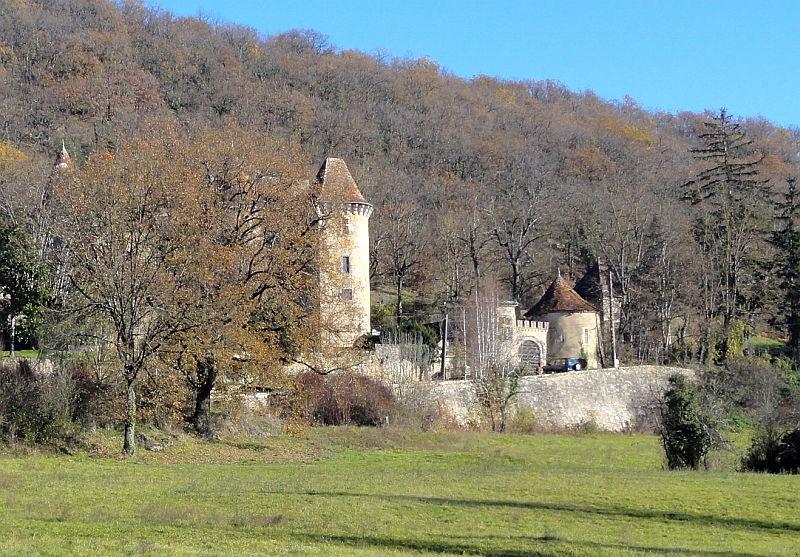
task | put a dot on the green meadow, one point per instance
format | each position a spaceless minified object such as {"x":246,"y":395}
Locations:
{"x":348,"y":491}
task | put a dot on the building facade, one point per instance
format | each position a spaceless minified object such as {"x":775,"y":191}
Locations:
{"x":523,"y":342}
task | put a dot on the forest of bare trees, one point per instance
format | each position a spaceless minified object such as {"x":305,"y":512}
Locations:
{"x":189,"y":135}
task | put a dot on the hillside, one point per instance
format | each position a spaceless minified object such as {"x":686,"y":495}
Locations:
{"x":485,"y":181}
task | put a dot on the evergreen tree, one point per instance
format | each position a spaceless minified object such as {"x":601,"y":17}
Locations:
{"x":687,"y":431}
{"x":23,"y":294}
{"x":786,"y":238}
{"x":732,"y":224}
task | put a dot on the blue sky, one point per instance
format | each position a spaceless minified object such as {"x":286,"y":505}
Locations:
{"x":669,"y":55}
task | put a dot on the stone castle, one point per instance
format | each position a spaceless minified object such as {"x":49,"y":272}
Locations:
{"x":561,"y":325}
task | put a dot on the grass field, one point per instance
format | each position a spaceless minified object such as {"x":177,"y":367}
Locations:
{"x":344,"y":491}
{"x":20,"y":353}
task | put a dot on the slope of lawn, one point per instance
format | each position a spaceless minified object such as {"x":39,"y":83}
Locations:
{"x":345,"y":491}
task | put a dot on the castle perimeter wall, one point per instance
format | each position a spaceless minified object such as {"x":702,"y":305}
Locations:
{"x":611,"y":399}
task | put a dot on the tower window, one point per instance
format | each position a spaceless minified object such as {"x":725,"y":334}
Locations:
{"x":346,"y":264}
{"x":346,"y":294}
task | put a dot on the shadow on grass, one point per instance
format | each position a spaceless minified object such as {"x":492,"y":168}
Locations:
{"x":704,"y":519}
{"x":478,"y":546}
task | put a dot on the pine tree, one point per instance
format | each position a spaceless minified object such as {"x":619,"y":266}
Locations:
{"x":786,"y":238}
{"x":732,"y":223}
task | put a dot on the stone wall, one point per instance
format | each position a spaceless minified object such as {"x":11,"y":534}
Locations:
{"x":610,"y":399}
{"x":613,"y":399}
{"x":458,"y":398}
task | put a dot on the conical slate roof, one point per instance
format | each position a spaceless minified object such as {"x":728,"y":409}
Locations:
{"x":560,"y":298}
{"x":337,"y":183}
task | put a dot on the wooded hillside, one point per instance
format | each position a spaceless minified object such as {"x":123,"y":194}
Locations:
{"x":476,"y":182}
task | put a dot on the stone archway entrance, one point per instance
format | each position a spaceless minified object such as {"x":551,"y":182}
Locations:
{"x":530,"y":354}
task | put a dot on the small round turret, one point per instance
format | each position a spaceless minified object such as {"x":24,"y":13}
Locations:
{"x":573,"y":323}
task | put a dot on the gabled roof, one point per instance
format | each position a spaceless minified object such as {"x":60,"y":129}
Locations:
{"x":593,"y":287}
{"x":560,"y":298}
{"x":337,"y":183}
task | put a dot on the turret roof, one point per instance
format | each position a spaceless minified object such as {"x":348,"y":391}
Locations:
{"x":337,"y":183}
{"x":560,"y":298}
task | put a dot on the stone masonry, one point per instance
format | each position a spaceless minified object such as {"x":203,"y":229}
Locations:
{"x":610,"y":399}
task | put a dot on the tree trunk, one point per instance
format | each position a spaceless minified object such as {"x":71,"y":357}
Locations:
{"x":129,"y":445}
{"x":206,"y":375}
{"x":399,"y":294}
{"x":202,"y":411}
{"x":516,"y":281}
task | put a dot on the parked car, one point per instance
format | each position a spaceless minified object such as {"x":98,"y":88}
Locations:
{"x":559,"y":365}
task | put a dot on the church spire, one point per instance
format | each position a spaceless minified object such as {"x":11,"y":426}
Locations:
{"x":63,"y":160}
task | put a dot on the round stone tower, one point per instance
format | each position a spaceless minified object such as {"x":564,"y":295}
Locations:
{"x":343,"y":256}
{"x":573,"y":323}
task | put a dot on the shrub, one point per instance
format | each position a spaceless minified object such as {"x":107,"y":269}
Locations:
{"x":495,"y":390}
{"x":774,"y":452}
{"x":35,"y":407}
{"x":523,"y":422}
{"x":756,"y":386}
{"x":687,"y":430}
{"x":345,"y":400}
{"x":411,"y":330}
{"x":99,"y":399}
